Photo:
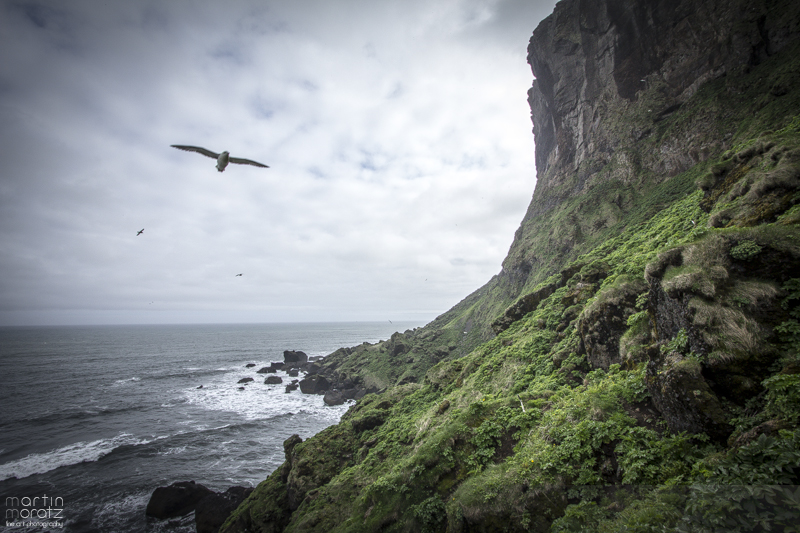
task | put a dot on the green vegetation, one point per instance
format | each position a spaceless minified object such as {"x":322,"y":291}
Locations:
{"x":646,"y":377}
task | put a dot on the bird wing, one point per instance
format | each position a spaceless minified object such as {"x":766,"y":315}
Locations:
{"x":241,"y":161}
{"x":197,"y":149}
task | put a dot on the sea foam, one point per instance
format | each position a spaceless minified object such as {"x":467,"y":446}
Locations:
{"x":79,"y":452}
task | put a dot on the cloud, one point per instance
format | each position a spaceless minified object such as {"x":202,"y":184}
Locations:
{"x":398,"y":137}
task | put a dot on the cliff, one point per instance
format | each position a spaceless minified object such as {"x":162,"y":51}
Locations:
{"x":636,"y":363}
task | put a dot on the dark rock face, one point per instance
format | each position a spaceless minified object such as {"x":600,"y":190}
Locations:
{"x":714,"y":318}
{"x":266,"y":370}
{"x":314,"y":384}
{"x":684,"y":398}
{"x":603,"y":323}
{"x":277,"y":365}
{"x":699,"y":288}
{"x":177,"y":499}
{"x":291,"y":356}
{"x":349,"y":394}
{"x":586,"y":51}
{"x":273,"y":380}
{"x":214,"y":509}
{"x":531,"y":301}
{"x":295,"y":497}
{"x":592,"y":63}
{"x":249,"y":365}
{"x":288,"y":448}
{"x":245,"y":380}
{"x":294,"y":372}
{"x":522,"y":307}
{"x":291,"y":387}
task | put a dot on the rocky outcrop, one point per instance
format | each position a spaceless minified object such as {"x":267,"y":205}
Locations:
{"x":292,"y":356}
{"x":178,"y":499}
{"x":714,"y":314}
{"x":333,"y":398}
{"x":522,"y":307}
{"x":273,"y":380}
{"x":214,"y":509}
{"x":314,"y":384}
{"x":590,"y":56}
{"x":602,"y":324}
{"x":183,"y":497}
{"x":683,"y":396}
{"x":607,"y":76}
{"x":531,"y":301}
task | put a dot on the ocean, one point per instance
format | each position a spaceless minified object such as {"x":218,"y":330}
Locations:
{"x":94,"y":418}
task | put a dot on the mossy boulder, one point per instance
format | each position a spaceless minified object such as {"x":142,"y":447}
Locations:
{"x":602,"y":324}
{"x":683,"y":397}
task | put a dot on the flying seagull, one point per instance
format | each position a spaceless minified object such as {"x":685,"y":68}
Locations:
{"x":237,"y":275}
{"x":222,"y":159}
{"x":140,"y":232}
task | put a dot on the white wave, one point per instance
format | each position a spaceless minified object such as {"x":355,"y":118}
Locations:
{"x":259,"y":401}
{"x":109,"y":515}
{"x":79,"y":452}
{"x":127,"y":380}
{"x":172,"y":451}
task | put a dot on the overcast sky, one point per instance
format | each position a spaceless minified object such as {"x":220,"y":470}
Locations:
{"x":397,"y":132}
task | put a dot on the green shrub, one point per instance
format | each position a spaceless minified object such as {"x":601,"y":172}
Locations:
{"x":745,"y":250}
{"x":431,"y":513}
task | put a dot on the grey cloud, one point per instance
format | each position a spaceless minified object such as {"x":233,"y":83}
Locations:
{"x":382,"y":139}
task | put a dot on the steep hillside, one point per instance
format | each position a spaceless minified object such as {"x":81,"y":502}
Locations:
{"x":636,"y":364}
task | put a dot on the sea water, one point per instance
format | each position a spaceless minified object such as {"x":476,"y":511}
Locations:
{"x":93,"y":419}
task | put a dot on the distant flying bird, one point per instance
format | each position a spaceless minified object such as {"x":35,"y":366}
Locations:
{"x":140,"y":232}
{"x":222,"y":159}
{"x":237,"y":275}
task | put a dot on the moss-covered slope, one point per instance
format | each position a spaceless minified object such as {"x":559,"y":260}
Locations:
{"x":646,"y":376}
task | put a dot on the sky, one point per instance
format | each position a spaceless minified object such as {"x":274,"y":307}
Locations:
{"x":397,"y":134}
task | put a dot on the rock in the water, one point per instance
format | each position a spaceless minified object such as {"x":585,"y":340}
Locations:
{"x":249,"y":365}
{"x":273,"y":380}
{"x":314,"y":385}
{"x":214,"y":509}
{"x":294,"y":372}
{"x":177,"y":499}
{"x":245,"y":380}
{"x":266,"y":370}
{"x":291,"y":356}
{"x":277,"y":365}
{"x":333,"y":398}
{"x":292,"y":386}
